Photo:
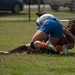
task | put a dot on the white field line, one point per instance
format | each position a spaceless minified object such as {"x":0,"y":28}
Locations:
{"x":64,"y":20}
{"x":20,"y":19}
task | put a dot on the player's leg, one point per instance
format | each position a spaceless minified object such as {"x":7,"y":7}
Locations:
{"x":19,"y":49}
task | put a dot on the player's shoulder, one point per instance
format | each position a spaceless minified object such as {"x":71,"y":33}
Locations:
{"x":48,"y":15}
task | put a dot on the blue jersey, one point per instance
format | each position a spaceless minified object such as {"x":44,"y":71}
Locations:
{"x":48,"y":24}
{"x":43,"y":16}
{"x":52,"y":27}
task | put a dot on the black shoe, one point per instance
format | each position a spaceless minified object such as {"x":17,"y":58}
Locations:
{"x":52,"y":52}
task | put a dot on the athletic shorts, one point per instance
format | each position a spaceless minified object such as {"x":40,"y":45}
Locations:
{"x":52,"y":27}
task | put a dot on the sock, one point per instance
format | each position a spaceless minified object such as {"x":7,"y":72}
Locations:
{"x":59,"y":48}
{"x":19,"y":49}
{"x":43,"y":45}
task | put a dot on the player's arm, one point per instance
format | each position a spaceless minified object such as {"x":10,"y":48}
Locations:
{"x":67,"y":32}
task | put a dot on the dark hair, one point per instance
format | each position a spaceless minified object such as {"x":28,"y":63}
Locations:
{"x":40,"y":14}
{"x":71,"y":25}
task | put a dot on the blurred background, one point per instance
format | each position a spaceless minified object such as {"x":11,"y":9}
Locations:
{"x":26,"y":9}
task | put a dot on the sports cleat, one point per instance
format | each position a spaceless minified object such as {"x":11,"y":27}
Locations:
{"x":65,"y":50}
{"x":50,"y":46}
{"x":4,"y":53}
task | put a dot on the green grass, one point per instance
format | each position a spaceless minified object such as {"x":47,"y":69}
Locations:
{"x":16,"y":33}
{"x":63,"y":14}
{"x":25,"y":14}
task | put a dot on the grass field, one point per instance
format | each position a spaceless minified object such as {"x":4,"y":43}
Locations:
{"x":24,"y":14}
{"x":16,"y":33}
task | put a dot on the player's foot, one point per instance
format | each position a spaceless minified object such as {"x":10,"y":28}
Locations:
{"x":50,"y":46}
{"x":65,"y":50}
{"x":4,"y":53}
